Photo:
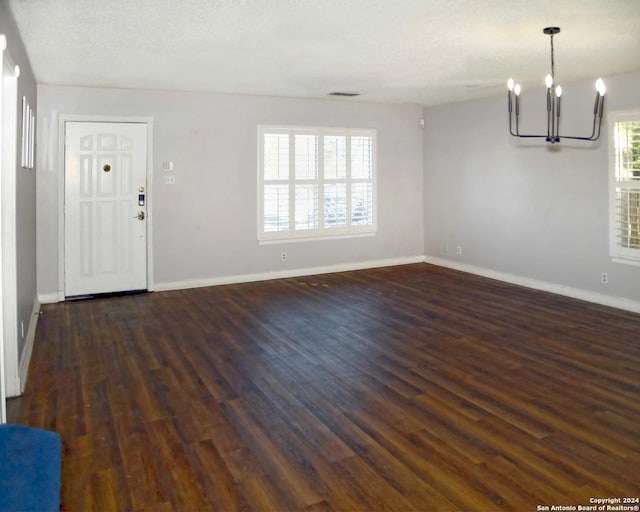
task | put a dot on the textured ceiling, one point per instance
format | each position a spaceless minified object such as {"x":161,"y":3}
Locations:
{"x":399,"y":51}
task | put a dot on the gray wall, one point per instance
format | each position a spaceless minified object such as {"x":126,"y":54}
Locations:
{"x":25,"y":183}
{"x":522,"y":208}
{"x":204,"y":227}
{"x":526,"y":208}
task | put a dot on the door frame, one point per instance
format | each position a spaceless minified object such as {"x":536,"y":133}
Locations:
{"x":62,"y":120}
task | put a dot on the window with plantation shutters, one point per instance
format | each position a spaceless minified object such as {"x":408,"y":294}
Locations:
{"x":315,"y":182}
{"x":624,"y":156}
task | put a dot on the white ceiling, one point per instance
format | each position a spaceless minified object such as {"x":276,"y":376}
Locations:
{"x":398,"y":51}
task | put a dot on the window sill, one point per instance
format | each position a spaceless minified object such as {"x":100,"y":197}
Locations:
{"x":314,"y":238}
{"x":626,"y":261}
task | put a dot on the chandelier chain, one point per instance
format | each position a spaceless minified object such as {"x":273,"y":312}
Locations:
{"x":553,"y":69}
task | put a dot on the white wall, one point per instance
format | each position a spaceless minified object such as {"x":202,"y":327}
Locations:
{"x":25,"y":220}
{"x":204,"y":227}
{"x":521,"y":207}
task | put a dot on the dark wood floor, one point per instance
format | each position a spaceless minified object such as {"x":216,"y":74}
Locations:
{"x":404,"y":388}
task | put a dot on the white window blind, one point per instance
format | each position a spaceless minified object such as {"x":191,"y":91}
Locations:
{"x":315,"y":182}
{"x":625,"y":187}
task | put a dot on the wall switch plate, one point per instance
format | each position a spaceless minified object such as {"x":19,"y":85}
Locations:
{"x":459,"y":249}
{"x":167,"y":166}
{"x":169,"y":180}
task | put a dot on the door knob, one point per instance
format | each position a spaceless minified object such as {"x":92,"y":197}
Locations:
{"x":140,"y":216}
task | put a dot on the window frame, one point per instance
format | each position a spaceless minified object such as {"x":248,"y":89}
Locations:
{"x":321,"y":232}
{"x":619,"y":254}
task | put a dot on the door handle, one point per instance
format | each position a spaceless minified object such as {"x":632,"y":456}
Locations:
{"x":140,"y":216}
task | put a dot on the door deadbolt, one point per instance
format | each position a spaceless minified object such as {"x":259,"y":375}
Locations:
{"x":106,"y":167}
{"x":140,"y":216}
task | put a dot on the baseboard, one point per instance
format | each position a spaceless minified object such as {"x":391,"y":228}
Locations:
{"x":568,"y":291}
{"x":282,"y":274}
{"x":23,"y":369}
{"x":49,"y":298}
{"x":12,"y":387}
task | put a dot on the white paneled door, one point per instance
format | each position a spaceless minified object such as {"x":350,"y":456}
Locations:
{"x":105,"y":207}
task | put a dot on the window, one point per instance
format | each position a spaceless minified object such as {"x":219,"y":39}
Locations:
{"x":624,"y":157}
{"x":315,"y":182}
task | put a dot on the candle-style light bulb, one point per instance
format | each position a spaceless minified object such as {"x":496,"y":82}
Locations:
{"x":600,"y":87}
{"x":548,"y":81}
{"x":558,"y":91}
{"x":510,"y":84}
{"x":517,"y":89}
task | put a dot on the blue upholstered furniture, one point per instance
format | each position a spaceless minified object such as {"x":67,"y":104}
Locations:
{"x":30,"y":467}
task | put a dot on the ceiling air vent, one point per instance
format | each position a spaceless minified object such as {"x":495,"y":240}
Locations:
{"x":345,"y":94}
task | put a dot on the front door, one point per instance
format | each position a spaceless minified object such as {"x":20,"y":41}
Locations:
{"x":105,"y":207}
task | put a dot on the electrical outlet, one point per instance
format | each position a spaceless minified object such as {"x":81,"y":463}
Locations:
{"x":283,"y":256}
{"x":170,"y":180}
{"x":604,"y":278}
{"x":459,"y":249}
{"x":446,"y":248}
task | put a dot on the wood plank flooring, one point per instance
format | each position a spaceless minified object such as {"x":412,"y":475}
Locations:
{"x":402,"y":388}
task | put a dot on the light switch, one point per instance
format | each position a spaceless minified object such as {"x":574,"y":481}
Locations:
{"x":167,"y":166}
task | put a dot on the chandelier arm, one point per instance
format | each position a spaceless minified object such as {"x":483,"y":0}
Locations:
{"x":580,"y":138}
{"x":601,"y":107}
{"x":549,"y":115}
{"x":597,"y":118}
{"x":510,"y":127}
{"x":594,"y":136}
{"x":555,"y":114}
{"x":557,"y":136}
{"x":510,"y":101}
{"x":600,"y":115}
{"x":593,"y":129}
{"x":554,"y":128}
{"x":526,"y":136}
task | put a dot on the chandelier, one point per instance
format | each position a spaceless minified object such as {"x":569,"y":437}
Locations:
{"x":554,"y":93}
